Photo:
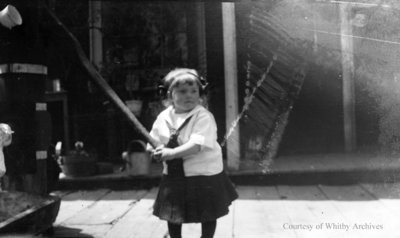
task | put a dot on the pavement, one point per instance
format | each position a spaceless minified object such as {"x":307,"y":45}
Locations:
{"x":333,"y":169}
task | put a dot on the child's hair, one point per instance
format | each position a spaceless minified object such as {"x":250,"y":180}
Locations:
{"x":181,"y":76}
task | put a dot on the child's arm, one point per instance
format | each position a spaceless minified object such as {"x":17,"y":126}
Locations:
{"x":178,"y":152}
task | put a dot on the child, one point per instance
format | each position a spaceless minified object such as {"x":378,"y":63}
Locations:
{"x":5,"y":140}
{"x":194,"y":187}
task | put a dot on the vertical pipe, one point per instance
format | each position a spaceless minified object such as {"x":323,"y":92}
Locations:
{"x":96,"y":39}
{"x":201,"y":39}
{"x":348,"y":78}
{"x":231,"y":90}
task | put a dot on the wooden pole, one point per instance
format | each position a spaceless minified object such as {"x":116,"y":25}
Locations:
{"x":96,"y":77}
{"x":348,"y":78}
{"x":231,"y":88}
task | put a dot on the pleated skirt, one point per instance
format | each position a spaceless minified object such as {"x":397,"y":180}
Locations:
{"x":194,"y":199}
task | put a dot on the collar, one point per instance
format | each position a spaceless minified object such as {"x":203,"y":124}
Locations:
{"x":171,"y":110}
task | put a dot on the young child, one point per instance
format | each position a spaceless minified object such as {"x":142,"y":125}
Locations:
{"x":5,"y":140}
{"x":194,"y":187}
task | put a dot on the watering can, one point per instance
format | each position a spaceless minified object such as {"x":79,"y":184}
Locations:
{"x":137,"y":159}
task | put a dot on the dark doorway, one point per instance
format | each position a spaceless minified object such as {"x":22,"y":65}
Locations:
{"x":316,"y":121}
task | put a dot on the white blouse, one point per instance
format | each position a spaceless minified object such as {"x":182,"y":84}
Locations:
{"x":201,"y":130}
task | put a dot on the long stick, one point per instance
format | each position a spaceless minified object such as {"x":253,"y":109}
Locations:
{"x":101,"y":82}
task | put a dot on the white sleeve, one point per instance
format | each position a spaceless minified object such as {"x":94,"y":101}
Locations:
{"x":204,"y":131}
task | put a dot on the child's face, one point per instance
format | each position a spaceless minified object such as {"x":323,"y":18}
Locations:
{"x":185,"y":97}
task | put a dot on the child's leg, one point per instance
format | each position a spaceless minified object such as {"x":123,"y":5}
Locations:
{"x":175,"y":230}
{"x":208,"y":229}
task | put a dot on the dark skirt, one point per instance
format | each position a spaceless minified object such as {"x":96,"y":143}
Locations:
{"x":194,"y":199}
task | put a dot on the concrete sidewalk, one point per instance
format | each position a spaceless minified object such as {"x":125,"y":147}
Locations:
{"x":281,"y":211}
{"x":290,"y":170}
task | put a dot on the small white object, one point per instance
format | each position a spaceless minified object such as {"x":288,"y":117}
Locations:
{"x":10,"y":17}
{"x":56,"y":85}
{"x":58,"y":148}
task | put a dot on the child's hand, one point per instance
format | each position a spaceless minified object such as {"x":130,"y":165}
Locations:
{"x":163,"y":154}
{"x":155,"y":154}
